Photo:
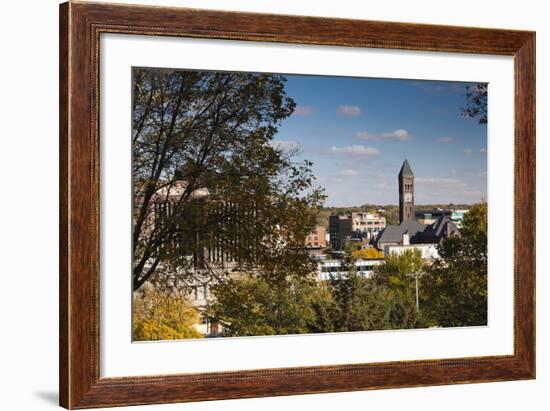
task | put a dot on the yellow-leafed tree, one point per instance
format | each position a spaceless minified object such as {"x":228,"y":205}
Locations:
{"x":367,"y":253}
{"x":158,"y":315}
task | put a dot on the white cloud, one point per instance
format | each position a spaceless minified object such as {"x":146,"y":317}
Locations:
{"x":303,"y":110}
{"x":350,"y":111}
{"x":446,"y":140}
{"x":357,"y":150}
{"x":443,"y":190}
{"x":349,"y":173}
{"x":400,"y":135}
{"x":467,"y":151}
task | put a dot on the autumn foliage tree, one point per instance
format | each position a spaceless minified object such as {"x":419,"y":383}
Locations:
{"x":158,"y":315}
{"x":367,"y":253}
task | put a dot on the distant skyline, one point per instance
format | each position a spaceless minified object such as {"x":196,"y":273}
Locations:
{"x":358,"y":131}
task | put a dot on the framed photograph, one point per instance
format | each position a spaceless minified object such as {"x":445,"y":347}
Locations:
{"x":259,"y":205}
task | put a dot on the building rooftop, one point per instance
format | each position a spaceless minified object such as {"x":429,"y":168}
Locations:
{"x":394,"y":233}
{"x":418,"y":233}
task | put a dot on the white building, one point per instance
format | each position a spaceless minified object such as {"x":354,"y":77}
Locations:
{"x":334,"y":268}
{"x":428,"y":251}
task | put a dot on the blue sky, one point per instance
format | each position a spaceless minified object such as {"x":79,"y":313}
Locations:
{"x":358,"y":131}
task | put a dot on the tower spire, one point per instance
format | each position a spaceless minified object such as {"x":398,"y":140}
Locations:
{"x":406,"y":169}
{"x":406,"y":193}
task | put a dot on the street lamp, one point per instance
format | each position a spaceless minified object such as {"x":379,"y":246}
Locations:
{"x":416,"y":277}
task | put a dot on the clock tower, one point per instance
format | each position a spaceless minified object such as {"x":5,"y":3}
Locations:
{"x":406,"y":193}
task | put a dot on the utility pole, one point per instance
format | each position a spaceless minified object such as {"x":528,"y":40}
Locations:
{"x":416,"y":277}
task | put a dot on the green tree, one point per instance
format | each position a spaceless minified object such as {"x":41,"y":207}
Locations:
{"x":398,"y":288}
{"x":360,"y":305}
{"x":211,"y":132}
{"x":456,"y":284}
{"x":282,"y":302}
{"x":286,"y":303}
{"x":270,"y":305}
{"x":351,"y":296}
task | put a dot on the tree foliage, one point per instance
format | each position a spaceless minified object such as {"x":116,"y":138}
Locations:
{"x":264,"y":305}
{"x":399,"y":288}
{"x":476,"y":102}
{"x":158,"y":315}
{"x":457,"y":292}
{"x":288,"y":304}
{"x":453,"y":292}
{"x":359,"y":304}
{"x":210,"y":133}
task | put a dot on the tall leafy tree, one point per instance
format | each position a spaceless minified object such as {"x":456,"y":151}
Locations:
{"x":350,"y":292}
{"x":361,"y":303}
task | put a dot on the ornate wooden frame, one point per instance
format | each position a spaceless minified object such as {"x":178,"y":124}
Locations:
{"x":80,"y":28}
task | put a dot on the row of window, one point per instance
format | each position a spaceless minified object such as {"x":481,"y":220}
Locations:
{"x":369,"y":223}
{"x":315,"y":244}
{"x":366,"y":267}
